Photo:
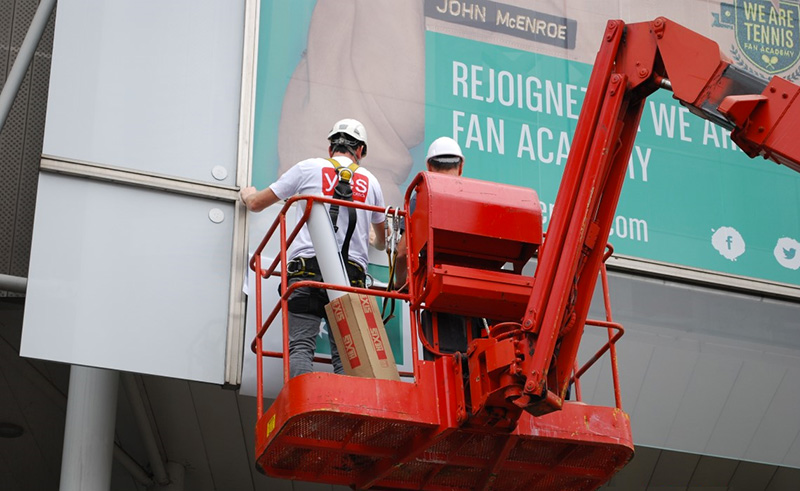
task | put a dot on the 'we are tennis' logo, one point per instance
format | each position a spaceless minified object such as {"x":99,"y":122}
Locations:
{"x":767,"y":36}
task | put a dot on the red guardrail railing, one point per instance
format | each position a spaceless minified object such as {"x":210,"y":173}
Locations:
{"x":255,"y":265}
{"x":263,"y":324}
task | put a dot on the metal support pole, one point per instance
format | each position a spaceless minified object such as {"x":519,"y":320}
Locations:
{"x":23,"y":60}
{"x":329,"y":258}
{"x":145,"y":429}
{"x":89,"y":432}
{"x":16,"y":284}
{"x":133,"y":467}
{"x":177,"y":478}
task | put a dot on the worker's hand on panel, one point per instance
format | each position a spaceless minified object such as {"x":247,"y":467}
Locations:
{"x":246,"y":194}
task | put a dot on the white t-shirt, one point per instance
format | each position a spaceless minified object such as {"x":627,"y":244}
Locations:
{"x":317,"y":177}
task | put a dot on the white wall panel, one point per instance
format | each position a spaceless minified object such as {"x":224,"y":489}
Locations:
{"x":706,"y":392}
{"x":634,"y":354}
{"x":780,"y":425}
{"x":744,"y":410}
{"x":129,"y":279}
{"x":148,"y":85}
{"x":792,"y":458}
{"x":661,"y":394}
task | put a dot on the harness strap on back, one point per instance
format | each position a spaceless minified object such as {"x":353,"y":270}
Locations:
{"x":344,"y":191}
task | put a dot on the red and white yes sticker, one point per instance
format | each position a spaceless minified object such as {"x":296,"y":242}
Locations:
{"x":330,"y":179}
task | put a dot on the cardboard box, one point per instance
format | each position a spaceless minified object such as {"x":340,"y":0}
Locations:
{"x":359,"y":334}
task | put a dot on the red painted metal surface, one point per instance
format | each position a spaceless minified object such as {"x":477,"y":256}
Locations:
{"x":432,"y":432}
{"x":769,"y":127}
{"x":401,"y":435}
{"x":462,"y":234}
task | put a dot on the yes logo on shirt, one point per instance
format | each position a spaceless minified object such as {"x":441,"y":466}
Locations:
{"x":330,"y":179}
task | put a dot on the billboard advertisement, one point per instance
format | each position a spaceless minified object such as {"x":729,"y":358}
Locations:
{"x":507,"y":81}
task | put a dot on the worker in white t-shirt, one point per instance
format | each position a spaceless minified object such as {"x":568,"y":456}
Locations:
{"x":326,"y":177}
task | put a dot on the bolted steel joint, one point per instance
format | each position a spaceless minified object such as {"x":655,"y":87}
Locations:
{"x":613,"y":84}
{"x":611,"y":28}
{"x":658,"y":26}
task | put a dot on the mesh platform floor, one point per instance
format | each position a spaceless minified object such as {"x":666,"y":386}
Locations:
{"x":348,"y":449}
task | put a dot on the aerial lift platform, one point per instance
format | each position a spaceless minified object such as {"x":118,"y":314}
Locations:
{"x":497,"y":416}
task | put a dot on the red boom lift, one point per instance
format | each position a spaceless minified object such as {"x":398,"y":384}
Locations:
{"x":496,"y":417}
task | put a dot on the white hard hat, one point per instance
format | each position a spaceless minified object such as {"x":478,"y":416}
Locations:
{"x":444,"y":146}
{"x":352,"y":128}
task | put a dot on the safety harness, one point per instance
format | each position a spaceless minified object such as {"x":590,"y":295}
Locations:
{"x":313,"y":300}
{"x":344,"y":191}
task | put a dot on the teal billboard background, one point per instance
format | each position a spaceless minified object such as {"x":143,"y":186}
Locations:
{"x":691,"y":198}
{"x":514,"y":113}
{"x":283,"y":29}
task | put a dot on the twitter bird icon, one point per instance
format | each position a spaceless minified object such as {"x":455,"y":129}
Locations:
{"x":786,"y":253}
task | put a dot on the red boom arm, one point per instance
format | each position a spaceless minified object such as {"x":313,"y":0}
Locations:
{"x":633,"y":61}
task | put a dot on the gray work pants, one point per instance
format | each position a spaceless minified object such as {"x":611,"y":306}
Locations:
{"x":303,"y":330}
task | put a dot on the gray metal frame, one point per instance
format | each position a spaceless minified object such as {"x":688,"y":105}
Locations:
{"x":234,"y":356}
